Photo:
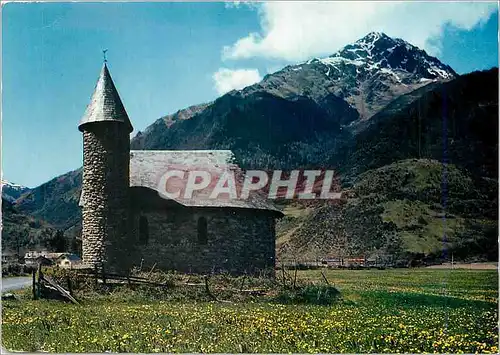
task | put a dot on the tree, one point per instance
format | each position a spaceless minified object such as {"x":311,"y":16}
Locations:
{"x":76,"y":246}
{"x":58,"y":242}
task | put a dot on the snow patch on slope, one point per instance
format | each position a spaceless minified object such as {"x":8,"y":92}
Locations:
{"x":370,"y":56}
{"x":11,"y":191}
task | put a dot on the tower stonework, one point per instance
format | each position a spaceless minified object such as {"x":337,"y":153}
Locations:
{"x":105,"y":202}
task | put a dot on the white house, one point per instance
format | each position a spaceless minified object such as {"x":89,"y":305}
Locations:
{"x":68,"y":260}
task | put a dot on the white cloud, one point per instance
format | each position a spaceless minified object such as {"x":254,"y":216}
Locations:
{"x":227,"y":79}
{"x":232,"y":4}
{"x":237,"y":4}
{"x":296,"y":31}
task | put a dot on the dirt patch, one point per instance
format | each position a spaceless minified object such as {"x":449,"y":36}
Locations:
{"x":471,"y":266}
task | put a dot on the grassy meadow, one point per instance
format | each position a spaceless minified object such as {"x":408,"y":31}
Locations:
{"x":380,"y":311}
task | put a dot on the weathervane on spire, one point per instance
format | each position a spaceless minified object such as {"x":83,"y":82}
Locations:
{"x":104,"y":55}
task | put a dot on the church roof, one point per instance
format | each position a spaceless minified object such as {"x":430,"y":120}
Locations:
{"x":148,"y":166}
{"x":105,"y":104}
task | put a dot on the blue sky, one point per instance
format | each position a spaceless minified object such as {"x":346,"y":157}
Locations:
{"x":166,"y":56}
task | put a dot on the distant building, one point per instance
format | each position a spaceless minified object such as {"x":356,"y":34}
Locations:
{"x":35,"y":257}
{"x":53,"y":256}
{"x":68,"y":260}
{"x":30,"y":257}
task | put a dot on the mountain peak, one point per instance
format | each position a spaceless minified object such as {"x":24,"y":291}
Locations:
{"x":373,"y":37}
{"x":11,"y":191}
{"x":377,"y":52}
{"x":11,"y":184}
{"x":368,"y":74}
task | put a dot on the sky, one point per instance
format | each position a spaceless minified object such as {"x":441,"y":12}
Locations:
{"x":167,"y":56}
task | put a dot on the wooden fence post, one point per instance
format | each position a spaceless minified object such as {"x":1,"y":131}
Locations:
{"x":151,"y":271}
{"x":324,"y":278}
{"x":207,"y":289}
{"x":39,"y":281}
{"x":34,"y":284}
{"x":242,"y":282}
{"x":70,"y":289}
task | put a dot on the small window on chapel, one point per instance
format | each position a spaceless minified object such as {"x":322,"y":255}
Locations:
{"x":202,"y":230}
{"x":143,"y":230}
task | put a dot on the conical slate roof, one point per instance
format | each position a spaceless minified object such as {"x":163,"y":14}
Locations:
{"x":105,"y":104}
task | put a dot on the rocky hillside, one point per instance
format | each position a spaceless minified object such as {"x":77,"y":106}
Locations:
{"x":367,"y":74}
{"x":373,"y":104}
{"x":455,"y":122}
{"x":56,"y":202}
{"x":418,"y":207}
{"x":411,"y":208}
{"x":21,"y":232}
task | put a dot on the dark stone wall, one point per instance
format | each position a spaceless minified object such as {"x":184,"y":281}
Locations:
{"x":238,"y":240}
{"x":105,"y":186}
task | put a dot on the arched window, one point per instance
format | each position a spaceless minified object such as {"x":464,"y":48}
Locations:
{"x":202,"y":230}
{"x":143,"y":230}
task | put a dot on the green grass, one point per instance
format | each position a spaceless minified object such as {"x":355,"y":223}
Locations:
{"x":481,"y":285}
{"x":382,"y":311}
{"x":422,"y":228}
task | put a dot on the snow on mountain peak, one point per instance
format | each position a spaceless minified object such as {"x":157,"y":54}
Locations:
{"x":11,"y":191}
{"x":377,"y":51}
{"x":370,"y":39}
{"x":12,"y":185}
{"x":367,"y":74}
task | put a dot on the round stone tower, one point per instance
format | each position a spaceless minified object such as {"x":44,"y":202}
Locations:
{"x":105,"y":187}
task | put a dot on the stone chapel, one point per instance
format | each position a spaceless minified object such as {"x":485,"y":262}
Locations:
{"x":127,"y":223}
